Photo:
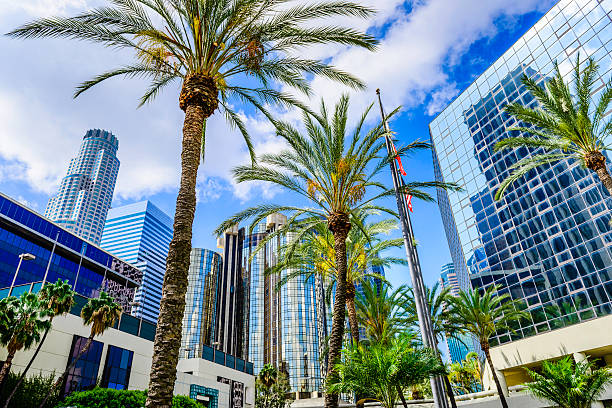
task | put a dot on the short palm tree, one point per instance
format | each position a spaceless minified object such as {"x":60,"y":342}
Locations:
{"x":481,"y":314}
{"x":55,"y":300}
{"x":268,"y":375}
{"x":334,"y":170}
{"x":568,"y":384}
{"x":379,"y":311}
{"x":315,"y":255}
{"x":564,"y":126}
{"x":439,"y":314}
{"x":221,"y":52}
{"x":383,"y":371}
{"x":466,"y":374}
{"x":101,"y":313}
{"x":22,"y":323}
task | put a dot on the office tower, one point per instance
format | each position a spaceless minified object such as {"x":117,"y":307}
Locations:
{"x":58,"y":254}
{"x":141,"y":233}
{"x":547,"y":242}
{"x":231,"y":305}
{"x":449,"y":279}
{"x":282,"y":323}
{"x":200,"y":317}
{"x":85,"y":194}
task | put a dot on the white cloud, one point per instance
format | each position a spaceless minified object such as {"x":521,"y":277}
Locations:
{"x":440,"y":98}
{"x":41,"y":126}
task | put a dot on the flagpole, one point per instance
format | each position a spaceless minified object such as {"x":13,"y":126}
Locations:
{"x":437,"y":387}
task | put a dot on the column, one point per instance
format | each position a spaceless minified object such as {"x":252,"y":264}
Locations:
{"x":579,"y":357}
{"x":502,"y":382}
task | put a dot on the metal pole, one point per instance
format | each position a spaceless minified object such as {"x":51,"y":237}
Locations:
{"x":16,"y":273}
{"x":51,"y":258}
{"x":439,"y":394}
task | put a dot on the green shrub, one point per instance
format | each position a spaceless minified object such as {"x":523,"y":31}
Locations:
{"x":109,"y":398}
{"x":31,"y":392}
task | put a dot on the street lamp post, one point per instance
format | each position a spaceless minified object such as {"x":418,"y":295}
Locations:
{"x":422,"y":308}
{"x":28,"y":257}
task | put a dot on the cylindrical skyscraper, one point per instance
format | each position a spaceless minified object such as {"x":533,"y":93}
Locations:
{"x":86,"y":191}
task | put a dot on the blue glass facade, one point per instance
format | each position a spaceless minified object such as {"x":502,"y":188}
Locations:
{"x":282,"y":324}
{"x":141,"y":233}
{"x":117,"y":368}
{"x":84,"y":375}
{"x":59,"y":255}
{"x":547,"y":242}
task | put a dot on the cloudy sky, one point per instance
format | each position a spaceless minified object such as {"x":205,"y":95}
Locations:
{"x":430,"y":50}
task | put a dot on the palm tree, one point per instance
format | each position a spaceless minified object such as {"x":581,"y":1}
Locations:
{"x":101,"y":313}
{"x":563,"y":125}
{"x":466,"y":374}
{"x":267,"y":375}
{"x":379,"y":310}
{"x":482,"y":315}
{"x":222,"y":52}
{"x":315,"y":255}
{"x":382,"y":371}
{"x":56,"y":300}
{"x":568,"y":384}
{"x":334,"y":171}
{"x":22,"y":322}
{"x":441,"y":321}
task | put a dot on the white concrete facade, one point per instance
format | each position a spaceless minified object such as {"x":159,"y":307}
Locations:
{"x":53,"y":358}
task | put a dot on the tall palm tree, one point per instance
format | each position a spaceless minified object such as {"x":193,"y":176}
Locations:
{"x":481,"y":314}
{"x":564,"y":126}
{"x":568,"y":384}
{"x":222,"y":52}
{"x":379,"y":310}
{"x":56,"y":300}
{"x":334,"y":170}
{"x":22,"y":322}
{"x":315,"y":255}
{"x":101,"y":313}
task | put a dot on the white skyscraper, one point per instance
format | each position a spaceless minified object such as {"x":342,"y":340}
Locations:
{"x":86,"y":191}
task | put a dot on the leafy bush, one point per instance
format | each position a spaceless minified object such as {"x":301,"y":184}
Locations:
{"x":31,"y":391}
{"x":109,"y":398}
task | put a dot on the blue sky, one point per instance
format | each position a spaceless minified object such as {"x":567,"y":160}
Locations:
{"x":430,"y":51}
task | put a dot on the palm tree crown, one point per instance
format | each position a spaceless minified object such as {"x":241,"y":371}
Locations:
{"x":567,"y":124}
{"x":101,"y":313}
{"x":568,"y":384}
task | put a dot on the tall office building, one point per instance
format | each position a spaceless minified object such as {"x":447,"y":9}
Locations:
{"x":85,"y":194}
{"x":282,"y":324}
{"x":458,"y":345}
{"x":548,"y":241}
{"x":231,"y":307}
{"x":141,"y":233}
{"x":200,"y":317}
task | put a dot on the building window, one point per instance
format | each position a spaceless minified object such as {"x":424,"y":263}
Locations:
{"x":84,"y":374}
{"x":117,"y":368}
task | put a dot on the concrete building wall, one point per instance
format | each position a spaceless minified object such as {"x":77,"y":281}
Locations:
{"x":53,"y":358}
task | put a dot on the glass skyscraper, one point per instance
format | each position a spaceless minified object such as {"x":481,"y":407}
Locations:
{"x":200,"y":317}
{"x":282,"y":324}
{"x":85,"y":194}
{"x":141,"y":233}
{"x":548,"y":241}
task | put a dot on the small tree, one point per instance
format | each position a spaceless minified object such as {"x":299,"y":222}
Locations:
{"x":564,"y":125}
{"x":483,"y":314}
{"x":466,"y":375}
{"x":21,"y":323}
{"x":379,"y":312}
{"x":101,"y":313}
{"x":569,"y":385}
{"x":271,"y":388}
{"x":383,"y":371}
{"x":55,"y":300}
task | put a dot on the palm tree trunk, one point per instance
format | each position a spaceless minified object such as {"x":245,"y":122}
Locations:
{"x":199,"y":100}
{"x":449,"y":391}
{"x":25,"y":370}
{"x":61,"y":379}
{"x":352,"y":314}
{"x":401,"y":395}
{"x":6,"y":368}
{"x":339,"y":225}
{"x":502,"y":397}
{"x":604,"y":177}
